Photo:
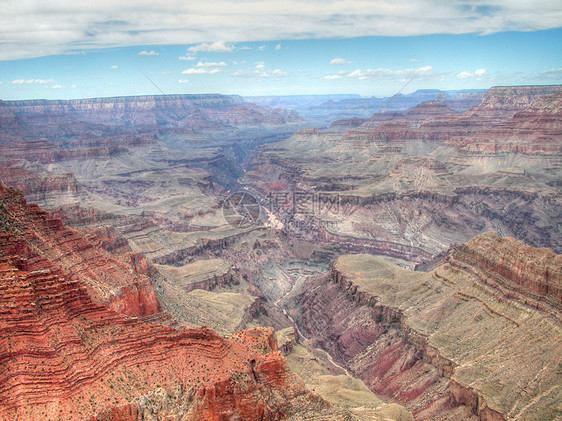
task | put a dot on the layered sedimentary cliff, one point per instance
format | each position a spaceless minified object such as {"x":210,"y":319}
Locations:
{"x":409,"y":184}
{"x":196,"y":112}
{"x":109,"y":279}
{"x":65,"y":357}
{"x":519,"y":271}
{"x":461,"y":342}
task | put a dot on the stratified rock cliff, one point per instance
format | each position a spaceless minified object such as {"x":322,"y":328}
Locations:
{"x":524,"y":273}
{"x":409,"y":184}
{"x":90,"y":116}
{"x":477,"y":338}
{"x":65,"y":357}
{"x":109,"y":280}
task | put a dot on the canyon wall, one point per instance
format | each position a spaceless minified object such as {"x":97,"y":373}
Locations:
{"x":447,"y":344}
{"x":65,"y":356}
{"x":109,"y":279}
{"x":409,"y":184}
{"x":195,"y":112}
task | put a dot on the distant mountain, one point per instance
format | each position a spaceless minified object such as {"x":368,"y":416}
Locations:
{"x":328,"y":108}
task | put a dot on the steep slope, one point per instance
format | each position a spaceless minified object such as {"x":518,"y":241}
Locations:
{"x":64,"y":357}
{"x":410,"y":187}
{"x":109,"y":280}
{"x":477,"y":338}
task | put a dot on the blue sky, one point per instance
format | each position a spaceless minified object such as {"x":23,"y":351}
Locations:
{"x":472,"y":45}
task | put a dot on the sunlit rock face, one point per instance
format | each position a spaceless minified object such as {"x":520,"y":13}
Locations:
{"x":457,"y":342}
{"x":69,"y":350}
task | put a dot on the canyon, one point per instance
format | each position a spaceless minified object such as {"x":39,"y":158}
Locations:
{"x":404,"y":263}
{"x":393,"y":328}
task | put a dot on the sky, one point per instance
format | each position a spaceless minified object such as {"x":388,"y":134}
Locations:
{"x":79,"y":49}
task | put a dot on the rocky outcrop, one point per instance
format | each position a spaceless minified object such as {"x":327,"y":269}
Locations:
{"x":202,"y":274}
{"x":109,"y":279}
{"x":534,"y":130}
{"x":454,"y":343}
{"x":64,"y":356}
{"x":519,"y":271}
{"x":46,"y":189}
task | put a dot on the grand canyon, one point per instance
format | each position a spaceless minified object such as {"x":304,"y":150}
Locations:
{"x":218,"y":257}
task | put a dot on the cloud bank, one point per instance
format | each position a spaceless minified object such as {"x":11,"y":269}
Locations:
{"x":33,"y":28}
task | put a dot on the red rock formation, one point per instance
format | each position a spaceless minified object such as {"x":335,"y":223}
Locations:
{"x":498,"y":105}
{"x":535,"y":130}
{"x":108,"y":278}
{"x":41,"y":188}
{"x":531,"y":275}
{"x":62,"y":356}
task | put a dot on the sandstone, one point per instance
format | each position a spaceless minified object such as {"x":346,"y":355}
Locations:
{"x":110,"y":280}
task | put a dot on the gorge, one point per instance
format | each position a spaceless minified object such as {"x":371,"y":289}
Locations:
{"x":404,"y":264}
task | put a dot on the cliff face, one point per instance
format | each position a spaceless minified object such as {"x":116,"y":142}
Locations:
{"x":109,"y":279}
{"x":461,"y":341}
{"x":525,"y":273}
{"x":379,"y":187}
{"x":198,"y":112}
{"x":64,"y":356}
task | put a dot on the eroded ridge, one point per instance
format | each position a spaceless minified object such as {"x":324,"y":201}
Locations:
{"x":63,"y":356}
{"x":448,"y":344}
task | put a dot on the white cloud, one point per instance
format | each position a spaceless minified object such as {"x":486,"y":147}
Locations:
{"x":278,"y":47}
{"x":414,"y":60}
{"x":148,"y":53}
{"x":57,"y":86}
{"x":261,"y":47}
{"x":271,"y":73}
{"x":469,"y":75}
{"x":260,"y":71}
{"x":33,"y":28}
{"x":183,"y":81}
{"x":387,"y":74}
{"x":552,"y":71}
{"x":211,"y":64}
{"x":166,"y":72}
{"x":200,"y":71}
{"x":188,"y":58}
{"x":205,"y":68}
{"x":331,"y":77}
{"x":215,"y":47}
{"x":114,"y":67}
{"x":32,"y":81}
{"x":339,"y":61}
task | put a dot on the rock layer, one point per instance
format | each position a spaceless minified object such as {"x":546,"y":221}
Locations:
{"x":448,"y":344}
{"x":109,"y":280}
{"x":65,"y":357}
{"x":410,"y":184}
